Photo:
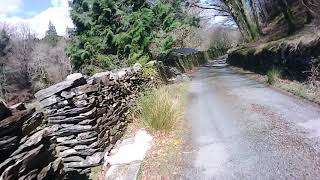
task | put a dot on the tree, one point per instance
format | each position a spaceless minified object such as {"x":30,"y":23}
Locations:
{"x":4,"y":50}
{"x":114,"y":33}
{"x":48,"y":65}
{"x":251,"y":16}
{"x":23,"y":42}
{"x":51,"y":35}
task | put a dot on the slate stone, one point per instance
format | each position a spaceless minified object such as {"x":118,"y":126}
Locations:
{"x":50,"y":101}
{"x":12,"y":124}
{"x":71,"y":81}
{"x":73,"y":120}
{"x":8,"y":144}
{"x":115,"y":138}
{"x":33,"y":159}
{"x":60,"y":104}
{"x":74,"y":142}
{"x":54,"y":170}
{"x":80,"y":97}
{"x":32,"y":141}
{"x":67,"y":130}
{"x":91,"y":122}
{"x":84,"y":89}
{"x":31,"y":175}
{"x":81,"y":147}
{"x":18,"y":107}
{"x":6,"y":141}
{"x":32,"y":123}
{"x":96,"y":158}
{"x":100,"y":78}
{"x":4,"y":110}
{"x":62,"y":148}
{"x":70,"y":111}
{"x":86,"y":102}
{"x":56,"y":118}
{"x":73,"y":159}
{"x":61,"y":139}
{"x":73,"y":152}
{"x":93,"y":145}
{"x":101,"y":111}
{"x":86,"y":135}
{"x":82,"y":164}
{"x":90,"y":114}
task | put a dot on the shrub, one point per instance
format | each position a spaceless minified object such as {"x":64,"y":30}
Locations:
{"x":160,"y":109}
{"x":273,"y":76}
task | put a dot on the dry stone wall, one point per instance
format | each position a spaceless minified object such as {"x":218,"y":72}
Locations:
{"x":78,"y":121}
{"x":173,"y":66}
{"x":27,"y":151}
{"x":88,"y":115}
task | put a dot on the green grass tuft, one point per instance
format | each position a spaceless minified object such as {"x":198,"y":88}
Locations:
{"x":160,"y":109}
{"x":273,"y":76}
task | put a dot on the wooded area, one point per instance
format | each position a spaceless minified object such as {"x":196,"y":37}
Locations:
{"x":110,"y":33}
{"x":29,"y":64}
{"x":258,"y":18}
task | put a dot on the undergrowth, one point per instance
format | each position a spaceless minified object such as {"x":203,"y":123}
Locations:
{"x":160,"y":109}
{"x":304,"y":90}
{"x":273,"y":76}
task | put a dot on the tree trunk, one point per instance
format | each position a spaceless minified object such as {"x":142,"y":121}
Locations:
{"x":285,"y":9}
{"x":245,"y":19}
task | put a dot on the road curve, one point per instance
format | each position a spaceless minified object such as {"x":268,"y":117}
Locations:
{"x":242,"y":129}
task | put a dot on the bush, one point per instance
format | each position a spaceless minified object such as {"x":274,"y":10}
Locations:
{"x":273,"y":76}
{"x":160,"y":109}
{"x":218,"y":40}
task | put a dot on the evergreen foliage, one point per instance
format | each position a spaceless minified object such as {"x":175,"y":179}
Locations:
{"x":51,"y":35}
{"x":113,"y":33}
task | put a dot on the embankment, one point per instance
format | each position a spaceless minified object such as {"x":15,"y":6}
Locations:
{"x":293,"y":57}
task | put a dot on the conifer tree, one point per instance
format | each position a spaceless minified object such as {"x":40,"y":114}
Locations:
{"x":51,"y":35}
{"x":113,"y":33}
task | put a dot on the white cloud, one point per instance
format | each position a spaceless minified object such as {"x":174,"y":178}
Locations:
{"x":59,"y":3}
{"x":58,"y":14}
{"x":10,"y":6}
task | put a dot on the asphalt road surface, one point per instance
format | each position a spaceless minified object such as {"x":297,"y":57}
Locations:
{"x":242,"y":129}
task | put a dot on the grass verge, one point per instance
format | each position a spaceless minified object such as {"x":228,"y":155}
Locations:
{"x":161,"y":112}
{"x":160,"y":109}
{"x":273,"y":76}
{"x":303,"y":90}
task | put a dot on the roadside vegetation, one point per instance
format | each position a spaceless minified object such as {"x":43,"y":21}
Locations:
{"x":117,"y":33}
{"x":306,"y":90}
{"x":221,"y":39}
{"x":28,"y":64}
{"x":273,"y":76}
{"x":161,"y":111}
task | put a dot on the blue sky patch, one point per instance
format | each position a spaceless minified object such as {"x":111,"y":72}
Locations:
{"x":31,"y":8}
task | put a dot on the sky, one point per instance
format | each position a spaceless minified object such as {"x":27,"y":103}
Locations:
{"x":37,"y":14}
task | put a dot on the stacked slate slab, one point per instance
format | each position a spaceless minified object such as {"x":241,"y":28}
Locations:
{"x":27,"y":151}
{"x":88,"y":115}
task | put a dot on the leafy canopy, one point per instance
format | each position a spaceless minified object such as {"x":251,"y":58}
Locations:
{"x":113,"y":33}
